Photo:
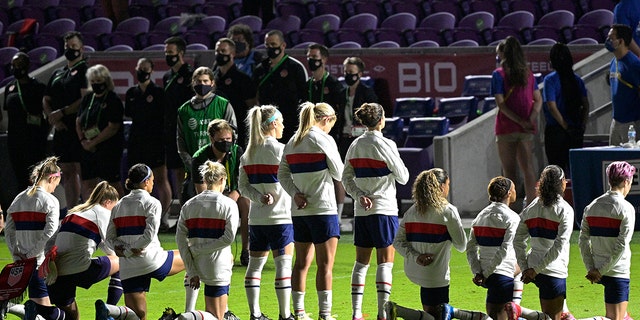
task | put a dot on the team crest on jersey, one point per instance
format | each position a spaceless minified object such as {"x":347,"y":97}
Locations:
{"x":15,"y":275}
{"x":180,"y":80}
{"x":284,"y":73}
{"x":11,"y":88}
{"x":228,"y":81}
{"x":326,"y":90}
{"x":192,"y":123}
{"x":149,"y":98}
{"x":74,"y":72}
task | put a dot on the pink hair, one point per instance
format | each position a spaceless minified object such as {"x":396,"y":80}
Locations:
{"x":618,"y":171}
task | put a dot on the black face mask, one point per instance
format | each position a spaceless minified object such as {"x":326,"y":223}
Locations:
{"x":273,"y":53}
{"x":351,"y":78}
{"x":19,"y":73}
{"x":222,"y":59}
{"x":240,"y":46}
{"x":143,"y":76}
{"x":171,"y":59}
{"x":202,"y":89}
{"x":223,"y":146}
{"x":99,"y":88}
{"x":314,"y":64}
{"x":71,"y":54}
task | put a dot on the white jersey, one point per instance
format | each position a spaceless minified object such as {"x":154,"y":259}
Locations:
{"x":204,"y":234}
{"x":548,"y":231}
{"x":605,"y":233}
{"x":134,"y":225}
{"x":434,"y":233}
{"x":79,"y":235}
{"x":310,"y":168}
{"x":259,"y":176}
{"x":31,"y":221}
{"x":490,"y":246}
{"x":372,"y":167}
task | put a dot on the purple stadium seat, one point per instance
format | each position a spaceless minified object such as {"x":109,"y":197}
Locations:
{"x":228,"y":9}
{"x":427,"y":34}
{"x":254,"y":22}
{"x":413,"y":107}
{"x":347,"y":45}
{"x":153,"y":10}
{"x":464,"y":43}
{"x":393,"y":129}
{"x":119,"y":47}
{"x":88,"y":48}
{"x":424,"y":44}
{"x":12,"y":36}
{"x":94,"y":30}
{"x":359,"y":28}
{"x":154,"y":47}
{"x":6,"y":81}
{"x":41,"y":10}
{"x":298,"y":8}
{"x":385,"y":44}
{"x":394,"y":27}
{"x":129,"y":32}
{"x":197,"y":47}
{"x":594,"y":24}
{"x":321,"y":29}
{"x":542,"y":42}
{"x":176,"y":8}
{"x":51,"y":34}
{"x":422,"y":130}
{"x":478,"y":86}
{"x":563,"y":5}
{"x":582,"y":41}
{"x":167,"y":27}
{"x":518,"y":24}
{"x":6,"y":55}
{"x":76,"y":10}
{"x":476,"y":26}
{"x":439,"y":20}
{"x":555,"y":25}
{"x":289,"y":25}
{"x":436,"y":27}
{"x":417,"y":160}
{"x":329,"y":7}
{"x":304,"y":45}
{"x":41,"y":56}
{"x":447,"y":6}
{"x":457,"y":110}
{"x":373,"y":7}
{"x":526,"y":5}
{"x":486,"y":6}
{"x":414,"y":7}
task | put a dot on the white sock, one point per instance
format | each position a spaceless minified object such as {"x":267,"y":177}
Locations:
{"x":530,"y":314}
{"x":121,"y":312}
{"x":518,"y":287}
{"x":297,"y":297}
{"x":283,"y":283}
{"x":17,"y":309}
{"x":252,"y":283}
{"x":325,"y":301}
{"x":358,"y":277}
{"x":191,"y":295}
{"x":412,"y":314}
{"x":564,"y":306}
{"x":196,"y":315}
{"x":384,"y":279}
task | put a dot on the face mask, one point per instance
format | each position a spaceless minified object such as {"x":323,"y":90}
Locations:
{"x":202,"y":89}
{"x":222,"y":59}
{"x":99,"y":88}
{"x":223,"y":146}
{"x":240,"y":47}
{"x":314,"y":64}
{"x":608,"y":44}
{"x":273,"y":53}
{"x":19,"y":73}
{"x":351,"y":78}
{"x":71,"y":54}
{"x":143,"y":76}
{"x":171,"y":60}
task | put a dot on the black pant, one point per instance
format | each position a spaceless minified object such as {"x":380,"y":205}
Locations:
{"x":558,"y":141}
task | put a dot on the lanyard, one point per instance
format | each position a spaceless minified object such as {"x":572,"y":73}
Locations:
{"x":62,"y":75}
{"x":86,"y":117}
{"x":273,"y":70}
{"x":619,"y":76}
{"x":175,"y":75}
{"x":24,"y":106}
{"x":324,"y":79}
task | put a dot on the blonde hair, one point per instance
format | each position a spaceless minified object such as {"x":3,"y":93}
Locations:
{"x":43,"y":170}
{"x":101,"y":193}
{"x":100,"y":72}
{"x":310,"y":114}
{"x":212,"y":172}
{"x":259,"y":119}
{"x":427,"y":190}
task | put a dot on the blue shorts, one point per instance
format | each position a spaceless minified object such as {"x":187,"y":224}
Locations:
{"x":273,"y":237}
{"x":143,"y":283}
{"x":434,"y":296}
{"x":375,"y":231}
{"x":37,"y":287}
{"x":550,"y":287}
{"x":616,"y":290}
{"x":63,"y":292}
{"x":499,"y":289}
{"x":215,"y":291}
{"x":316,"y":229}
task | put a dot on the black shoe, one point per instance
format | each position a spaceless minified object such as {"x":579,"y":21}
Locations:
{"x":261,"y":317}
{"x":169,"y":314}
{"x":244,"y":257}
{"x":230,"y":316}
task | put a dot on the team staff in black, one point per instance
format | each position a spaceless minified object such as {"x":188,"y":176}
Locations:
{"x":281,"y":81}
{"x":145,"y":104}
{"x":233,"y":84}
{"x":61,"y":101}
{"x":27,"y":130}
{"x":322,"y":86}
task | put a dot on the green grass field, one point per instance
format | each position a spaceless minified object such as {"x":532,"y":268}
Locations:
{"x":584,"y":300}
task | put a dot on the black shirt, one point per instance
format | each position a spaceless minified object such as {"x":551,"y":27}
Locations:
{"x":326,"y":90}
{"x":21,"y":101}
{"x":177,"y":87}
{"x":65,"y":87}
{"x":99,"y":111}
{"x":237,"y":87}
{"x":146,"y":110}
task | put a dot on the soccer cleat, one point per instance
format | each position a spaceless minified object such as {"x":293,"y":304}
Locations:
{"x":290,"y":317}
{"x":327,"y":317}
{"x":169,"y":314}
{"x":244,"y":257}
{"x":302,"y":316}
{"x":513,"y":310}
{"x":445,"y":311}
{"x":567,"y":316}
{"x":30,"y":310}
{"x":627,"y":316}
{"x":261,"y":317}
{"x":390,"y":310}
{"x":102,"y":313}
{"x":230,"y":316}
{"x":354,"y":318}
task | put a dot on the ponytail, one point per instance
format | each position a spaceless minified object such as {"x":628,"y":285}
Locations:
{"x":259,"y":119}
{"x":101,"y":193}
{"x":212,"y":172}
{"x":427,"y":190}
{"x":42,"y":171}
{"x":310,"y":114}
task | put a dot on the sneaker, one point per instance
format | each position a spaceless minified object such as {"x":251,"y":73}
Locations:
{"x":244,"y":257}
{"x":390,"y":310}
{"x":513,"y":310}
{"x":567,"y":316}
{"x":102,"y":313}
{"x":30,"y":310}
{"x":169,"y":314}
{"x":445,"y":311}
{"x":261,"y":317}
{"x":230,"y":316}
{"x":327,"y":317}
{"x":302,"y":316}
{"x":627,"y":316}
{"x":290,"y":317}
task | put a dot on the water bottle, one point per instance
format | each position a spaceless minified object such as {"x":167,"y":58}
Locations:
{"x":632,"y":135}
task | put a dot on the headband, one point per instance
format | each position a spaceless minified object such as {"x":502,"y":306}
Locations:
{"x":273,"y":117}
{"x":148,"y":174}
